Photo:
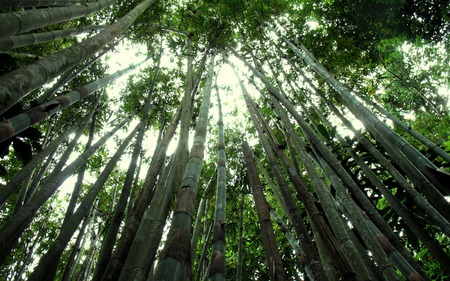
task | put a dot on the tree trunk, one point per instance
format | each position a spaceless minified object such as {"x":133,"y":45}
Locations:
{"x":13,"y":42}
{"x":275,"y":265}
{"x":175,"y":262}
{"x":20,"y":82}
{"x":15,"y":226}
{"x":68,"y":229}
{"x":218,"y":245}
{"x":24,"y":21}
{"x":37,"y":3}
{"x":19,"y":123}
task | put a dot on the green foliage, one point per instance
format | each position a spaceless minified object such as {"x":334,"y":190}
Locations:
{"x":392,"y":51}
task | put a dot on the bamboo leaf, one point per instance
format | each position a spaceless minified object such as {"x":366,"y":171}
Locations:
{"x":323,"y":131}
{"x":31,"y":133}
{"x":22,"y":150}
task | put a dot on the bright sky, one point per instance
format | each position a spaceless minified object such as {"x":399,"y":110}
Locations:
{"x":124,"y":56}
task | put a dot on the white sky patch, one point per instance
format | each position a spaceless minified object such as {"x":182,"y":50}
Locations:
{"x":313,"y":25}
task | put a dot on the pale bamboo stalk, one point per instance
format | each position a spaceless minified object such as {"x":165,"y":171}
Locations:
{"x":13,"y":42}
{"x":180,"y":230}
{"x":274,"y":261}
{"x":38,"y":3}
{"x":71,"y":225}
{"x":200,"y":210}
{"x":19,"y":123}
{"x":13,"y":89}
{"x":16,"y":225}
{"x":218,"y":261}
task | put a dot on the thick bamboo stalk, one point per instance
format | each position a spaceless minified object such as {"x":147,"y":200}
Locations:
{"x":175,"y":262}
{"x":38,"y":3}
{"x":274,"y":261}
{"x":13,"y":42}
{"x":19,"y":83}
{"x":18,"y":123}
{"x":23,"y":21}
{"x":71,"y":225}
{"x":217,"y":272}
{"x":15,"y":226}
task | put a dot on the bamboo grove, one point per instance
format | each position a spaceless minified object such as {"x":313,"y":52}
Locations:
{"x":253,"y":140}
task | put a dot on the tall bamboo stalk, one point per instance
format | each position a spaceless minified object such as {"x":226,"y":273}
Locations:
{"x":71,"y":225}
{"x":19,"y":83}
{"x":175,"y":262}
{"x":218,"y":261}
{"x":18,"y":123}
{"x":274,"y":262}
{"x":17,"y":224}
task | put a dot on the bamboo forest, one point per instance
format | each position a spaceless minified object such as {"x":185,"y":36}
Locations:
{"x":224,"y":140}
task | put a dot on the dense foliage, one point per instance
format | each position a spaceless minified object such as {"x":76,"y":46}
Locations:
{"x":388,"y":54}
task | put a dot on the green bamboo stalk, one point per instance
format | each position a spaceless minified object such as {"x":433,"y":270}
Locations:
{"x":19,"y":123}
{"x":37,"y":3}
{"x":175,"y":262}
{"x":19,"y":83}
{"x":113,"y":229}
{"x":13,"y":42}
{"x":24,"y":21}
{"x":293,"y":211}
{"x":385,"y":135}
{"x":218,"y":261}
{"x":339,"y":229}
{"x":274,"y":261}
{"x":16,"y":225}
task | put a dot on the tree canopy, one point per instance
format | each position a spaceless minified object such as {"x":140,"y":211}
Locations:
{"x":247,"y":140}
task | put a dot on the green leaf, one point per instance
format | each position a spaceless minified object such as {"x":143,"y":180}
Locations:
{"x":22,"y":151}
{"x":31,"y":133}
{"x":4,"y":148}
{"x":2,"y":171}
{"x":321,"y":128}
